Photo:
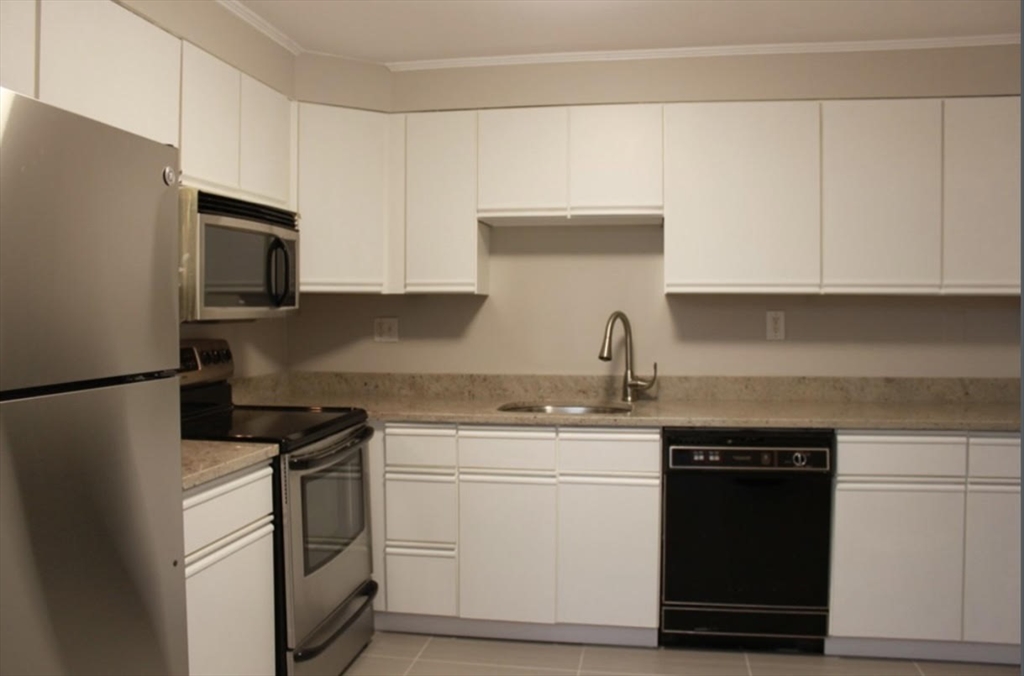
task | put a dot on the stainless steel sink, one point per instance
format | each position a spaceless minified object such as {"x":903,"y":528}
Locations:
{"x":566,"y":409}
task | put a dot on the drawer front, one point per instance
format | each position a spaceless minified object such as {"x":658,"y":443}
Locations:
{"x":604,"y":451}
{"x":507,"y":448}
{"x":420,"y":445}
{"x":994,"y":457}
{"x":221,"y":510}
{"x":421,"y":509}
{"x":424,"y":582}
{"x":894,"y":455}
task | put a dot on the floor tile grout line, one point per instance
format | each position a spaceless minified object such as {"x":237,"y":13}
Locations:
{"x":918,"y":667}
{"x":746,"y":658}
{"x":413,"y":663}
{"x":534,"y":667}
{"x":579,"y":667}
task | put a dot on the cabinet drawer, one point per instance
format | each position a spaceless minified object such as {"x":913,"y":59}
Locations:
{"x":531,"y":448}
{"x":894,"y":455}
{"x":422,"y":581}
{"x":218,"y":511}
{"x":994,"y":457}
{"x":420,"y":445}
{"x":594,"y":450}
{"x":421,"y":508}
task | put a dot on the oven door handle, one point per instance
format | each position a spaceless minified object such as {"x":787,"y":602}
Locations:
{"x":330,"y":455}
{"x":368,"y":592}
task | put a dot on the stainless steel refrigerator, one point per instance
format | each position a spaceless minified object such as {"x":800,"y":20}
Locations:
{"x":91,"y":547}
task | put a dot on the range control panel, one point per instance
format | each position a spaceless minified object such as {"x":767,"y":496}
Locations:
{"x":205,"y":360}
{"x":710,"y":457}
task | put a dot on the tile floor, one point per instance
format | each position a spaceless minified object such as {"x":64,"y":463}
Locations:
{"x":392,"y":654}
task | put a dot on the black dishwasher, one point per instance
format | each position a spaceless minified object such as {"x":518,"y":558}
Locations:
{"x":745,"y":538}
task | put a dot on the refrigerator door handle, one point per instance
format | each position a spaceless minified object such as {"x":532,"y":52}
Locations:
{"x":349,"y":614}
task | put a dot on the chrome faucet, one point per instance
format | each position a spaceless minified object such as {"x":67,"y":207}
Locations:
{"x":631,"y":384}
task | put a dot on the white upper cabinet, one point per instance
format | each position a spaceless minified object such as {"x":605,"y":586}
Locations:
{"x":882,"y":196}
{"x":18,"y":46}
{"x":446,"y":249}
{"x":265,"y":145}
{"x":523,"y":161}
{"x":211,"y":105}
{"x":102,"y":61}
{"x":615,"y":159}
{"x":236,"y":133}
{"x":981,"y":197}
{"x":342,"y":198}
{"x":742,"y":205}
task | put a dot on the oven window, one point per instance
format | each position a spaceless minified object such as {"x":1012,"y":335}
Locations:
{"x":332,"y":511}
{"x":235,"y":269}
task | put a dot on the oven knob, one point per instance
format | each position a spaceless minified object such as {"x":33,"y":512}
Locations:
{"x":799,"y":459}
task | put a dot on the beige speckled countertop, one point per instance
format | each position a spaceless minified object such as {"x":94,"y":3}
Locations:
{"x":926,"y":404}
{"x":203,"y":461}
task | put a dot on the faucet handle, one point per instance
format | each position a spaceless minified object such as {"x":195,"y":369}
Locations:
{"x":640,"y":384}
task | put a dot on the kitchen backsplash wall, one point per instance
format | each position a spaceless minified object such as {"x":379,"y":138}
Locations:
{"x":259,"y":347}
{"x":552,"y":290}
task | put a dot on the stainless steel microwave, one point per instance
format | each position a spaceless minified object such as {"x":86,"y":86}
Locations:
{"x":239,"y":260}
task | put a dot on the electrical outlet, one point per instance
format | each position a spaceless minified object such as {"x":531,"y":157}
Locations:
{"x":385,"y":329}
{"x":775,"y":321}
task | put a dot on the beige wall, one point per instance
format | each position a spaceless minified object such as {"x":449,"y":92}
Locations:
{"x":553,"y":288}
{"x":259,"y":347}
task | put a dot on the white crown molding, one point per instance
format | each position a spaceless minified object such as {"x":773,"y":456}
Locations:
{"x":730,"y":50}
{"x":261,"y":24}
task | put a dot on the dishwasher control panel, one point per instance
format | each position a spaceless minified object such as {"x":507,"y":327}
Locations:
{"x":738,"y":449}
{"x":707,"y":457}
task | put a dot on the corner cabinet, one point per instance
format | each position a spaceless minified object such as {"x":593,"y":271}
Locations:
{"x":342,"y":198}
{"x":102,"y":61}
{"x":926,"y":542}
{"x":229,"y":575}
{"x":742,"y":197}
{"x":445,"y":247}
{"x":981,"y":196}
{"x":882,"y":196}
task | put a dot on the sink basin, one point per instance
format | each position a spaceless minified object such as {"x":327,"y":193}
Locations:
{"x":566,"y":409}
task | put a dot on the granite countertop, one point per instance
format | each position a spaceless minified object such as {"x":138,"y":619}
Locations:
{"x":203,"y":461}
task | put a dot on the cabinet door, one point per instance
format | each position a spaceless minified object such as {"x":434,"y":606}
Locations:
{"x":981,"y":196}
{"x":609,"y":539}
{"x":265,"y":142}
{"x":897,"y":561}
{"x":615,"y":158}
{"x":101,"y":61}
{"x":18,"y":46}
{"x":421,"y":508}
{"x":523,"y":160}
{"x":342,"y":177}
{"x":507,"y":548}
{"x":881,"y":196}
{"x":742,"y":206}
{"x":229,"y":597}
{"x":211,"y":99}
{"x":992,"y":565}
{"x":422,"y":581}
{"x":445,"y":247}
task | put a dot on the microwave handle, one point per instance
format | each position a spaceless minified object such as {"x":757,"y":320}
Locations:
{"x":271,"y":268}
{"x":287,"y":274}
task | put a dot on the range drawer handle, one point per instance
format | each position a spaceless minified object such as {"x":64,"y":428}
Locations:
{"x":368,"y":592}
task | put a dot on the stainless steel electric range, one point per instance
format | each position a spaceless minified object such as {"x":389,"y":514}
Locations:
{"x":322,"y":540}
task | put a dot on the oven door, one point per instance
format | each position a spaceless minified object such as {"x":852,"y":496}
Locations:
{"x":325,"y":512}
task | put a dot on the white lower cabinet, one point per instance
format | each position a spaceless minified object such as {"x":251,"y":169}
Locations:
{"x":229,"y":576}
{"x":926,"y":539}
{"x":507,"y":548}
{"x":524,"y":524}
{"x":893,"y":548}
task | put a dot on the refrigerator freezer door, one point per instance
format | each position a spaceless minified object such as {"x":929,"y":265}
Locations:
{"x":91,"y":524}
{"x":88,"y":249}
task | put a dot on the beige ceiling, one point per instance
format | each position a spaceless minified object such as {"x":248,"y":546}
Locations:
{"x":396,"y":32}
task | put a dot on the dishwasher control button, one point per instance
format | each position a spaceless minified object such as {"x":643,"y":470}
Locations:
{"x":713,"y":456}
{"x":698,"y":456}
{"x":799,"y":459}
{"x":766,"y":458}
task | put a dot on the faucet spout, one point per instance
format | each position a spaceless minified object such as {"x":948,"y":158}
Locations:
{"x":630,"y":382}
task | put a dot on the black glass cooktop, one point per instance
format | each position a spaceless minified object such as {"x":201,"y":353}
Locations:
{"x":290,"y":426}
